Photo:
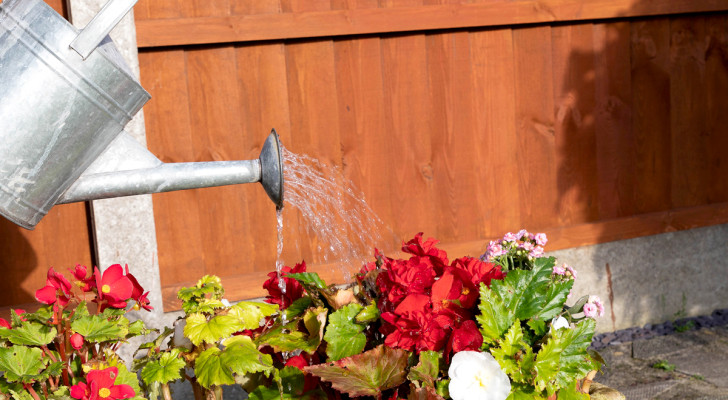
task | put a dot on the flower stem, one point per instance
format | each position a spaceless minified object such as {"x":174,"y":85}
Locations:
{"x":29,"y":388}
{"x":166,"y":393}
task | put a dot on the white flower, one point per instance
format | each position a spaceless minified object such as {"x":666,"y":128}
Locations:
{"x":558,"y":323}
{"x":477,"y":376}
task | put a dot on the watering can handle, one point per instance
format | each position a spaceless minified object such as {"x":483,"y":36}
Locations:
{"x":100,"y":26}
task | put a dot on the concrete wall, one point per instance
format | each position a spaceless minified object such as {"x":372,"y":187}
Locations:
{"x":654,"y":278}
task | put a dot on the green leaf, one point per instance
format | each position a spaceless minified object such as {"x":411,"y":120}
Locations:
{"x":370,"y":313}
{"x":198,"y":329}
{"x":524,"y":291}
{"x":495,"y":318}
{"x":538,"y":327}
{"x":569,"y":392}
{"x":365,"y":374}
{"x":344,"y":337}
{"x":426,"y":371}
{"x":137,"y":328}
{"x":555,"y":299}
{"x":29,"y":334}
{"x":21,"y":395}
{"x":249,"y":314}
{"x":575,"y":362}
{"x":211,"y":370}
{"x":289,"y":386}
{"x":513,"y":354}
{"x":243,"y":357}
{"x":96,"y":328}
{"x":311,"y":279}
{"x":296,"y":308}
{"x":62,"y":393}
{"x":315,"y":320}
{"x":166,"y":369}
{"x":80,"y":311}
{"x":126,"y":377}
{"x":285,"y":338}
{"x":21,"y":364}
{"x":546,"y":366}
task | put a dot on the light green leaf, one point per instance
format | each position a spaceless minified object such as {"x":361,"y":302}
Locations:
{"x":309,"y":279}
{"x":198,"y":329}
{"x":365,"y":374}
{"x":288,"y":338}
{"x":495,"y":318}
{"x":96,"y":328}
{"x":547,"y":366}
{"x":61,"y":394}
{"x":344,"y":337}
{"x":243,"y":357}
{"x":574,"y":361}
{"x":166,"y":369}
{"x":29,"y":334}
{"x":249,"y":314}
{"x":554,"y":300}
{"x":569,"y":392}
{"x":426,"y":371}
{"x":368,"y":314}
{"x":513,"y":354}
{"x":211,"y":370}
{"x":21,"y":364}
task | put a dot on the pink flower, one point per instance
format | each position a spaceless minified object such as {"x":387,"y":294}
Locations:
{"x":57,"y":289}
{"x":528,"y":246}
{"x":559,"y":270}
{"x":570,"y":270}
{"x":114,"y":287}
{"x":597,"y":303}
{"x":590,"y":310}
{"x":510,"y":237}
{"x":536,"y":252}
{"x":540,"y":239}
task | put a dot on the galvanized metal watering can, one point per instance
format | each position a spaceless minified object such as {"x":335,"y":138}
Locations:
{"x":65,"y":97}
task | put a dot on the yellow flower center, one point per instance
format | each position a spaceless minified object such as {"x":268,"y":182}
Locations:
{"x":105,"y":289}
{"x":465,"y":291}
{"x":482,"y":379}
{"x":104,"y":392}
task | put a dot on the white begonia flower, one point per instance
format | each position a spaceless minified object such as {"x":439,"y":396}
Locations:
{"x":477,"y":376}
{"x":558,"y":323}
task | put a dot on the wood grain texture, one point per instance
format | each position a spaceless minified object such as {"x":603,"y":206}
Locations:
{"x":716,"y":84}
{"x":392,"y":16}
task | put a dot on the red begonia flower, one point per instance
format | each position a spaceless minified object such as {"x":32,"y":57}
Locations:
{"x":481,"y":271}
{"x":467,"y":337}
{"x":454,"y":289}
{"x":427,"y":249}
{"x":57,"y":289}
{"x":419,"y":333}
{"x":114,"y":288}
{"x":100,"y":386}
{"x":84,"y":280}
{"x":292,"y":289}
{"x":76,"y":341}
{"x":300,"y":361}
{"x":137,"y":292}
{"x":4,"y":324}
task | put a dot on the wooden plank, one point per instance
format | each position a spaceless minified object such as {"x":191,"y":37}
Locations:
{"x":535,"y":127}
{"x":365,"y":148}
{"x":496,"y":141}
{"x":249,"y":286}
{"x":573,"y":55}
{"x":407,"y":120}
{"x":651,"y":114}
{"x":690,"y":177}
{"x":216,"y":126}
{"x":716,"y":83}
{"x":402,"y":16}
{"x":169,"y":137}
{"x":456,"y":184}
{"x":613,"y":120}
{"x":248,"y":7}
{"x":263,"y":87}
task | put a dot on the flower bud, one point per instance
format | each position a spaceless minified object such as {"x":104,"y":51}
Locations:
{"x":76,"y":341}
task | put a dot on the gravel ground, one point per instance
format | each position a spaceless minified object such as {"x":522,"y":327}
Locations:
{"x":717,"y":318}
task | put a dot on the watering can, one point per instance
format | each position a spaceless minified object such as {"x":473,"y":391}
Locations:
{"x":65,"y":97}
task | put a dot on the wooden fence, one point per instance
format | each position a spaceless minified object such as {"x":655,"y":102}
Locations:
{"x":590,"y":120}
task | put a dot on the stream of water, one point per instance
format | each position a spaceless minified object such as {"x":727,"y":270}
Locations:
{"x":343,"y":227}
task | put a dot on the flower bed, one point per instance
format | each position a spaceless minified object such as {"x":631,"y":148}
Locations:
{"x":423,"y":327}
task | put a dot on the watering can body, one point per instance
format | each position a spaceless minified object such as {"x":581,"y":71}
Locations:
{"x":58,"y":111}
{"x":65,"y":97}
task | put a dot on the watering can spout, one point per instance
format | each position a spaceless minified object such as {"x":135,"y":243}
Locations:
{"x":126,"y":169}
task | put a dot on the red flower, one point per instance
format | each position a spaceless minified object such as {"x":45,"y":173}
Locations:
{"x":402,"y":278}
{"x":100,"y":386}
{"x":292,"y":289}
{"x":427,"y":249}
{"x":4,"y":323}
{"x":84,"y":280}
{"x":114,"y":287}
{"x":76,"y":341}
{"x":454,"y":289}
{"x":300,"y":361}
{"x":480,"y":271}
{"x":465,"y":338}
{"x":56,"y":290}
{"x":418,"y":332}
{"x":137,"y":292}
